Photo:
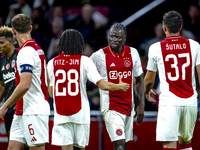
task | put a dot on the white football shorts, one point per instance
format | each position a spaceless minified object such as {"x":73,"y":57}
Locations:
{"x":71,"y":134}
{"x":119,"y":126}
{"x":174,"y":121}
{"x":32,"y":130}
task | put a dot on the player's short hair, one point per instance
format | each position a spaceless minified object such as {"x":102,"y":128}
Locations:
{"x":21,"y":23}
{"x":119,"y":26}
{"x":71,"y":42}
{"x":6,"y":31}
{"x":173,"y":21}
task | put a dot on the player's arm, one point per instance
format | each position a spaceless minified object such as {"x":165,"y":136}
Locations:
{"x":198,"y":72}
{"x":2,"y":89}
{"x":20,"y":90}
{"x":148,"y":85}
{"x":141,"y":99}
{"x":108,"y":86}
{"x":49,"y":77}
{"x":50,"y":90}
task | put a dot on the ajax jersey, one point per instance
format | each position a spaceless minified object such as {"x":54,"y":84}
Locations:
{"x":68,"y":76}
{"x":32,"y":59}
{"x":176,"y":59}
{"x":113,"y":66}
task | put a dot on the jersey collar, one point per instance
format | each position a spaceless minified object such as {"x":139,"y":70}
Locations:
{"x":23,"y":45}
{"x":115,"y":54}
{"x":174,"y":36}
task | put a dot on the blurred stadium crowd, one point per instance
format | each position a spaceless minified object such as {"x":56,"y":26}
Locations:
{"x":93,"y":19}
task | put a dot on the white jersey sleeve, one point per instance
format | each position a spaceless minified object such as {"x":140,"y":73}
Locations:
{"x":91,"y":71}
{"x":152,"y":59}
{"x":26,"y":56}
{"x":195,"y":47}
{"x":137,"y":67}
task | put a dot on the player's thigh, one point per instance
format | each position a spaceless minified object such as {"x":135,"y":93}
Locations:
{"x":187,"y":123}
{"x":36,"y":129}
{"x":62,"y":134}
{"x":167,"y":123}
{"x":71,"y":134}
{"x":16,"y":131}
{"x":15,"y":145}
{"x":128,"y":128}
{"x":37,"y":147}
{"x":68,"y":147}
{"x":115,"y":123}
{"x":82,"y":133}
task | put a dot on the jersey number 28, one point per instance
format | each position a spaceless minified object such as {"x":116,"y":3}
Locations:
{"x":70,"y":81}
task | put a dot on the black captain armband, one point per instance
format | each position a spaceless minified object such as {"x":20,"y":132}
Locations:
{"x":26,"y":68}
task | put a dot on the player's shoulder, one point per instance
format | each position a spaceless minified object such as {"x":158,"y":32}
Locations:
{"x":193,"y":42}
{"x":50,"y":61}
{"x":85,"y":59}
{"x":28,"y":50}
{"x":133,"y":50}
{"x":155,"y":47}
{"x":98,"y":53}
{"x":156,"y":44}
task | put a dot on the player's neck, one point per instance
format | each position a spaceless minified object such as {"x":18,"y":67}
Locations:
{"x":172,"y":34}
{"x":11,"y":52}
{"x":22,"y":38}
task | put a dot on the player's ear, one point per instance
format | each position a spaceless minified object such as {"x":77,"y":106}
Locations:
{"x":31,"y":27}
{"x":14,"y":32}
{"x":164,"y":28}
{"x":10,"y":40}
{"x":180,"y":28}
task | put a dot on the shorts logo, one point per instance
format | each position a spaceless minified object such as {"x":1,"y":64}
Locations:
{"x":127,"y":63}
{"x":33,"y":139}
{"x":7,"y":66}
{"x":119,"y":132}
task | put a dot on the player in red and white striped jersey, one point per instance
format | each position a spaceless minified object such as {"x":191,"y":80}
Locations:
{"x":113,"y":62}
{"x":30,"y":122}
{"x":175,"y":58}
{"x":68,"y":74}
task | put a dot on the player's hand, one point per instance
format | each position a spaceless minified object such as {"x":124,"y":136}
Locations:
{"x":139,"y":113}
{"x":123,"y":86}
{"x":151,"y":96}
{"x":2,"y":112}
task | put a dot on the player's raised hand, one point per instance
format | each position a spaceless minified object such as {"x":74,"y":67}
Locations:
{"x":123,"y":86}
{"x":150,"y":96}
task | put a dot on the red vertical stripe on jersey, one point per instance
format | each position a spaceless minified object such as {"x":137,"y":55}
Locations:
{"x":19,"y":104}
{"x":120,"y":66}
{"x":67,"y":94}
{"x":178,"y":65}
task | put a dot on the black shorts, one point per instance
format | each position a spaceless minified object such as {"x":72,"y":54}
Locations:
{"x":8,"y":120}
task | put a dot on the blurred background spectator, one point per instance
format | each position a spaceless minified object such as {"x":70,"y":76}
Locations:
{"x":158,"y":36}
{"x":23,"y":7}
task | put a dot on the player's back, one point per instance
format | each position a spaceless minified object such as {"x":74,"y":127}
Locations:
{"x":68,"y":76}
{"x":32,"y":59}
{"x":176,"y":59}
